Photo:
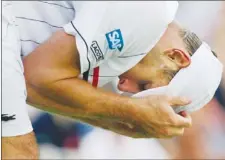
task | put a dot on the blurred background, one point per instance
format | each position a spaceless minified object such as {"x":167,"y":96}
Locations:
{"x":62,"y":138}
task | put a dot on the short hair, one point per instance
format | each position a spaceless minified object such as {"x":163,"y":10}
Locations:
{"x":191,"y":41}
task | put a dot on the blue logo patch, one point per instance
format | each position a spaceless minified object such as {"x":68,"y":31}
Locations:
{"x":115,"y":39}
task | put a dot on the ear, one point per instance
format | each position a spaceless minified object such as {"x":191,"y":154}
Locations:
{"x":127,"y":85}
{"x":181,"y":59}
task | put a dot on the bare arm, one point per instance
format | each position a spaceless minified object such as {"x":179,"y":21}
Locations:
{"x":192,"y":144}
{"x":22,"y":147}
{"x":109,"y":124}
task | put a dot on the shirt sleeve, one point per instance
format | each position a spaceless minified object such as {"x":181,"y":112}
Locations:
{"x":118,"y":33}
{"x":85,"y":28}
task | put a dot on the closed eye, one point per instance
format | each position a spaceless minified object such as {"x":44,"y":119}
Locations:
{"x":144,"y":86}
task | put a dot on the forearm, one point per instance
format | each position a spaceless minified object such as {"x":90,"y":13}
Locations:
{"x":82,"y":100}
{"x":192,"y":144}
{"x":20,"y":147}
{"x":77,"y":103}
{"x":38,"y":100}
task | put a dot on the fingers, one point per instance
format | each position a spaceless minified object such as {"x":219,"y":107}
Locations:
{"x":178,"y":101}
{"x":184,"y":119}
{"x":167,"y":132}
{"x":180,"y":121}
{"x":172,"y":132}
{"x":175,"y":126}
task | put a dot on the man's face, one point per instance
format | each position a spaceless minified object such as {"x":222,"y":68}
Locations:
{"x":153,"y":71}
{"x":158,"y":67}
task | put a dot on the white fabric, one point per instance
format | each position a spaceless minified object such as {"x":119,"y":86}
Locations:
{"x":13,"y":83}
{"x":198,"y":82}
{"x":141,"y":25}
{"x":37,"y":20}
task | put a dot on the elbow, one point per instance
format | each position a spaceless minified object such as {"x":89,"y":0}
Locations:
{"x":35,"y":76}
{"x":35,"y":72}
{"x":35,"y":85}
{"x":34,"y":81}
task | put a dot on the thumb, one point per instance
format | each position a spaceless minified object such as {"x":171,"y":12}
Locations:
{"x":178,"y":101}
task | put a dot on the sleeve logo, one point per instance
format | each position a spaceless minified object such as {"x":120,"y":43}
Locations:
{"x":6,"y":117}
{"x":115,"y":39}
{"x":97,"y":51}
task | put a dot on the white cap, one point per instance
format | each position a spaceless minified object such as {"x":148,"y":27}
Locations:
{"x":198,"y":81}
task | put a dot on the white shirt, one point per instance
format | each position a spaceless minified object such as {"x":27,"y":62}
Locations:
{"x":111,"y":36}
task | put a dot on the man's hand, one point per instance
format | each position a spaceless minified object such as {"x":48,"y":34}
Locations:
{"x":150,"y":117}
{"x":156,"y":116}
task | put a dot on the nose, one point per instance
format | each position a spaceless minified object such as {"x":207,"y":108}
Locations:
{"x":129,"y":88}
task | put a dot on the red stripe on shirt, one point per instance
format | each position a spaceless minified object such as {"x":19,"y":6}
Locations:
{"x":95,"y":77}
